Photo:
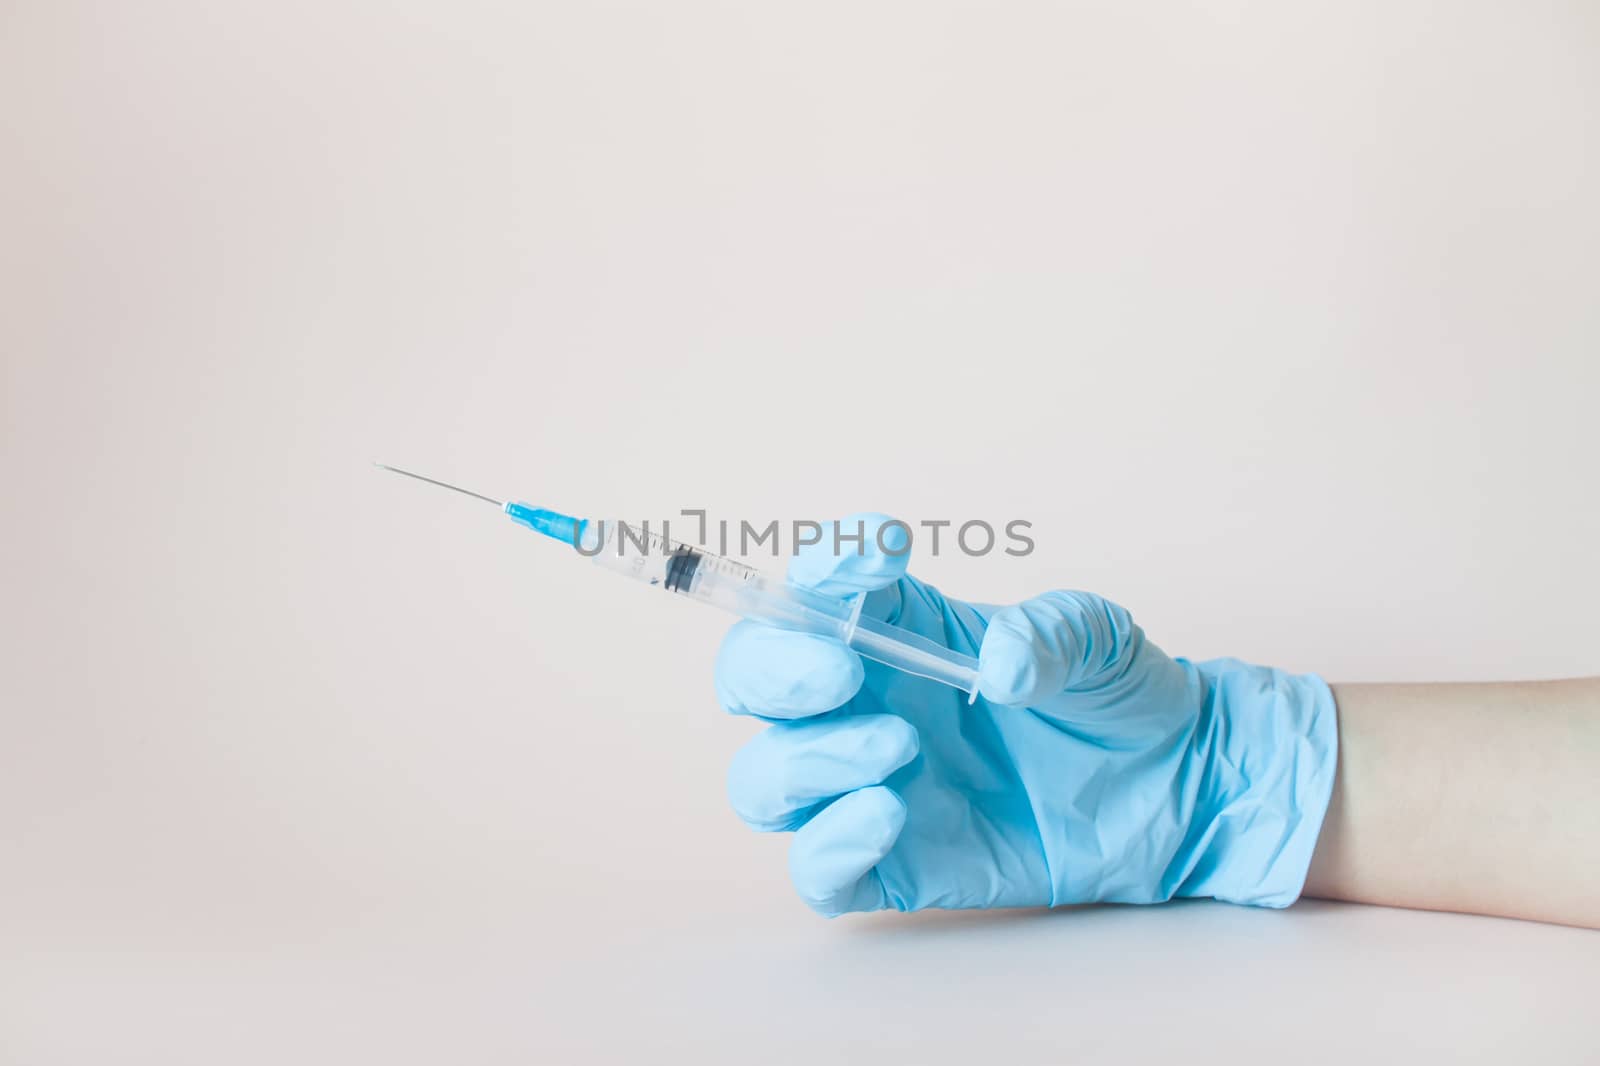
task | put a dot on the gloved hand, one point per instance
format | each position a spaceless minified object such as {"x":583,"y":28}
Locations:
{"x":1093,"y":767}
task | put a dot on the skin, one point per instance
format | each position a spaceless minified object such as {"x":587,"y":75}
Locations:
{"x":1479,"y":798}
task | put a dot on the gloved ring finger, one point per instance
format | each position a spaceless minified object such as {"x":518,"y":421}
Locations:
{"x":780,"y":776}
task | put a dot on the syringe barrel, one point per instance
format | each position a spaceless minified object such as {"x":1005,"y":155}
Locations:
{"x":915,"y":654}
{"x":637,"y":552}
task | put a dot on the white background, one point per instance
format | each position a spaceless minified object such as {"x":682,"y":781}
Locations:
{"x":1278,"y":321}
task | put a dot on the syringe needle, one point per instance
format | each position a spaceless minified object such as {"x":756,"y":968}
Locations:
{"x":441,"y":484}
{"x":699,"y":575}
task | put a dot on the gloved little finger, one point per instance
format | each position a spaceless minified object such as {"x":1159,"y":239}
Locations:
{"x":832,"y":859}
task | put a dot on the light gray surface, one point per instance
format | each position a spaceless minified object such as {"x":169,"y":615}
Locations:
{"x":1190,"y":982}
{"x":1278,"y":324}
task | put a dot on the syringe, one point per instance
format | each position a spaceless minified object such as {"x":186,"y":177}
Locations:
{"x":689,"y":571}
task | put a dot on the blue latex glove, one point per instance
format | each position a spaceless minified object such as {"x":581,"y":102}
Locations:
{"x":1093,"y":767}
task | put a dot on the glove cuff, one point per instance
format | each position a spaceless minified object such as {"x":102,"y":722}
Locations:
{"x":1268,"y":742}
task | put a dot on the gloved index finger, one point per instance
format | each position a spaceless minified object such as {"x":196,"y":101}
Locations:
{"x":773,"y":673}
{"x":859,"y":553}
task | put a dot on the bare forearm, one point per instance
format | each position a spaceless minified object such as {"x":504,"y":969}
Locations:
{"x":1467,"y":797}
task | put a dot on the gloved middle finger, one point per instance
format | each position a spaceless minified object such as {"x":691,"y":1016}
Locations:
{"x":780,"y":673}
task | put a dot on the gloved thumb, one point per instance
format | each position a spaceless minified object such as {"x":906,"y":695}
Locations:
{"x":1054,"y":643}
